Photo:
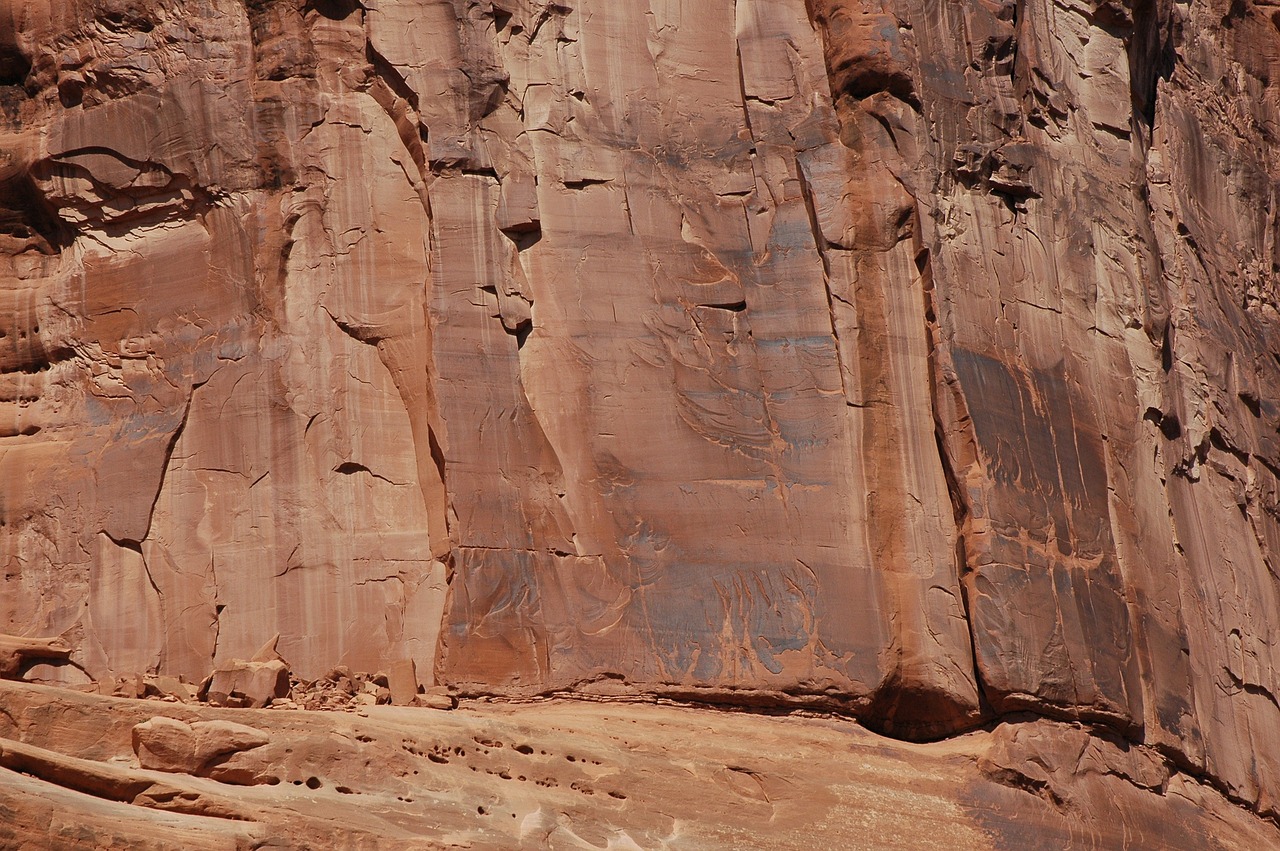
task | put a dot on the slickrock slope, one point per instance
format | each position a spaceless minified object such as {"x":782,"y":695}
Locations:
{"x":910,"y":361}
{"x":578,"y":775}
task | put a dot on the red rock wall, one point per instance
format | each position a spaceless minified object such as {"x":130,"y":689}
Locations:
{"x":917,"y":359}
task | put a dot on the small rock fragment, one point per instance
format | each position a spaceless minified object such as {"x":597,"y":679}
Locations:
{"x":437,"y":697}
{"x":131,"y":686}
{"x":268,"y":653}
{"x":168,"y":687}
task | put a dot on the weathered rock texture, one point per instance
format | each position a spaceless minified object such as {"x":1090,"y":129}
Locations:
{"x":575,"y":775}
{"x":913,"y":359}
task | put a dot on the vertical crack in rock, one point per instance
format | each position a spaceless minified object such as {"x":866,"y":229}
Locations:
{"x":168,"y":459}
{"x":136,"y":547}
{"x":931,"y":689}
{"x":218,"y":607}
{"x":938,"y":386}
{"x":1152,"y":58}
{"x":820,"y":245}
{"x":412,"y":363}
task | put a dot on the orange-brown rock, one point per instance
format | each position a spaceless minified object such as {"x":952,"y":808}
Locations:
{"x":165,"y":744}
{"x":569,"y":774}
{"x":18,"y":654}
{"x":251,"y":684}
{"x":915,"y":362}
{"x":402,"y":682}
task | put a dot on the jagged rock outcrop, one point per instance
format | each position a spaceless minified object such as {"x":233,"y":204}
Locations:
{"x":19,"y":654}
{"x":913,"y":361}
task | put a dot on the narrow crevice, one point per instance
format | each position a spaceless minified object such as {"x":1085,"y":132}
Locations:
{"x":351,"y":468}
{"x":821,"y":246}
{"x":742,"y":87}
{"x":168,"y":458}
{"x":218,"y":609}
{"x":1252,"y":688}
{"x":584,"y":182}
{"x":124,"y":543}
{"x":437,"y":459}
{"x":360,"y":334}
{"x":334,"y":10}
{"x":521,"y":333}
{"x":391,"y":76}
{"x":1152,"y":57}
{"x":528,"y":550}
{"x":960,"y":510}
{"x":524,"y":236}
{"x":732,"y":307}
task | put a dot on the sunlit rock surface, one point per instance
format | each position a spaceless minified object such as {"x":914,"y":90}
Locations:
{"x":913,"y":363}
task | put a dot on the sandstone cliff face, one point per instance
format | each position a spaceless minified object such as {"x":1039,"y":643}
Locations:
{"x":915,"y":360}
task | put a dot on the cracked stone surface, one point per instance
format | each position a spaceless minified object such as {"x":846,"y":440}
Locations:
{"x":903,"y":365}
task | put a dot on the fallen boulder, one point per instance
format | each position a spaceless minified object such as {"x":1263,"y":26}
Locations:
{"x":250,"y":685}
{"x":167,"y":744}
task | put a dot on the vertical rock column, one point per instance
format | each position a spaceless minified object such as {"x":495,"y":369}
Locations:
{"x":739,"y":488}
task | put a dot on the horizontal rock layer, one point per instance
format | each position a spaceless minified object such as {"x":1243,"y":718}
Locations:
{"x":915,"y":360}
{"x":571,"y":774}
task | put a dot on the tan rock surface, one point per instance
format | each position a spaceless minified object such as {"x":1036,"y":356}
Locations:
{"x":914,"y":361}
{"x":572,"y":774}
